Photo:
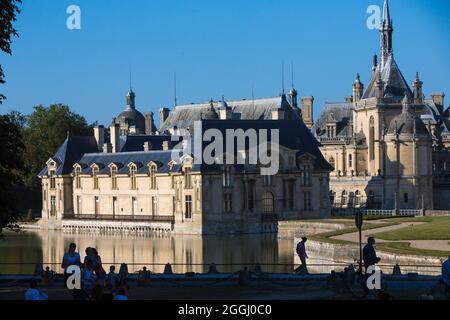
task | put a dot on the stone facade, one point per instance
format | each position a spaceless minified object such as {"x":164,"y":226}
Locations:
{"x":387,"y":143}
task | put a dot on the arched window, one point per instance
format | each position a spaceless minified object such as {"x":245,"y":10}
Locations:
{"x":268,"y":203}
{"x":133,"y":177}
{"x":153,"y":169}
{"x":114,"y":178}
{"x":357,"y":198}
{"x":95,"y":176}
{"x":344,"y":199}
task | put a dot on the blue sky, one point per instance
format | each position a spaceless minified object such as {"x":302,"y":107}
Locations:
{"x":215,"y":47}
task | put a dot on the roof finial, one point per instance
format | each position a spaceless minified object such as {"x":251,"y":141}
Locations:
{"x":282,"y":77}
{"x":292,"y":74}
{"x":129,"y":69}
{"x":406,"y":103}
{"x":175,"y":89}
{"x":386,"y":13}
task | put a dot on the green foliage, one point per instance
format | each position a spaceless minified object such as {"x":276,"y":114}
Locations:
{"x":11,"y":170}
{"x":8,"y":11}
{"x":46,"y":129}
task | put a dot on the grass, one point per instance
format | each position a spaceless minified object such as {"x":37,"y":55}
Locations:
{"x":405,"y":248}
{"x":435,"y":228}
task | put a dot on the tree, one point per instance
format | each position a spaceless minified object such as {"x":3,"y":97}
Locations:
{"x":11,"y":170}
{"x":8,"y":11}
{"x":46,"y":130}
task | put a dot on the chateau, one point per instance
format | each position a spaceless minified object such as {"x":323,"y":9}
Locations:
{"x":388,"y":144}
{"x":385,"y":147}
{"x":126,"y":175}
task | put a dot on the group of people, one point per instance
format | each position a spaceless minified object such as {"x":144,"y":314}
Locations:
{"x":96,"y":284}
{"x":370,"y":258}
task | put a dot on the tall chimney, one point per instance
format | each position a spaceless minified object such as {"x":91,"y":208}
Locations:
{"x":163,"y":115}
{"x":114,"y":133}
{"x":107,"y":148}
{"x":147,"y":146}
{"x":308,"y":111}
{"x":438,"y":99}
{"x":99,"y":134}
{"x":150,"y":127}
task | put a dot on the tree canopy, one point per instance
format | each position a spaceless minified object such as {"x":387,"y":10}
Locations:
{"x":8,"y":12}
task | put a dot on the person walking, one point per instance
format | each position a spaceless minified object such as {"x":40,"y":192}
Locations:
{"x":370,"y":259}
{"x":70,"y":258}
{"x":99,"y":270}
{"x":446,"y":275}
{"x":301,"y":252}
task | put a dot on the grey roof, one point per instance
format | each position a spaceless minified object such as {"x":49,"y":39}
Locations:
{"x":341,"y":112}
{"x":183,"y":116}
{"x":407,"y":123}
{"x":292,"y":134}
{"x":395,"y":84}
{"x":133,"y":118}
{"x":70,"y":152}
{"x":123,"y":159}
{"x":132,"y":143}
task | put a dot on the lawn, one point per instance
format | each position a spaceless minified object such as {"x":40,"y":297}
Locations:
{"x":436,"y":228}
{"x":405,"y":248}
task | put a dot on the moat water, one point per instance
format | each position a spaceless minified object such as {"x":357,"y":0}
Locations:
{"x":20,"y":252}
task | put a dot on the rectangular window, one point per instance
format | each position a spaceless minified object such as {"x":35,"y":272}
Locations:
{"x":188,"y":207}
{"x":267,"y":180}
{"x":306,"y":175}
{"x":227,"y":203}
{"x":97,"y":205}
{"x":114,"y":206}
{"x":114,"y":178}
{"x":133,"y":178}
{"x":251,"y":196}
{"x":154,"y":206}
{"x":78,"y":178}
{"x":52,"y":206}
{"x":227,"y":176}
{"x":153,"y":177}
{"x":307,"y":201}
{"x":78,"y":205}
{"x":290,"y":194}
{"x":134,"y":208}
{"x":52,"y":180}
{"x":187,"y":178}
{"x":350,"y":161}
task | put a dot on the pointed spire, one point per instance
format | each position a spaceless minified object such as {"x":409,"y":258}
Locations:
{"x":386,"y":31}
{"x":292,"y":74}
{"x":386,"y":13}
{"x":282,"y":77}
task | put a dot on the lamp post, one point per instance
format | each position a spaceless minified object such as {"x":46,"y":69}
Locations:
{"x":359,"y":225}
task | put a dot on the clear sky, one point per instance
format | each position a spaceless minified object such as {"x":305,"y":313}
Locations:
{"x":215,"y":47}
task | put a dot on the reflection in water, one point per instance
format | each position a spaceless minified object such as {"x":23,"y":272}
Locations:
{"x":187,"y":253}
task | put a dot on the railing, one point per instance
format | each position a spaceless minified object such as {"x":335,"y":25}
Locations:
{"x":137,"y":218}
{"x":374,"y":212}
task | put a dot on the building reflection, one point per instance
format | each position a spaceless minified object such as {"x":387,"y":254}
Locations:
{"x":185,"y":253}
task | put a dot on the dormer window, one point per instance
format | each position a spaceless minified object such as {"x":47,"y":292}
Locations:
{"x":52,"y":179}
{"x":114,"y":178}
{"x":95,"y":177}
{"x":78,"y":177}
{"x":152,"y":171}
{"x":133,"y":170}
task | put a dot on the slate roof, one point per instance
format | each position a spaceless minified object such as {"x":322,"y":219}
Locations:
{"x":133,"y":143}
{"x":292,"y":134}
{"x":395,"y":84}
{"x":183,"y":116}
{"x":70,"y":152}
{"x":341,"y":112}
{"x":123,"y":159}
